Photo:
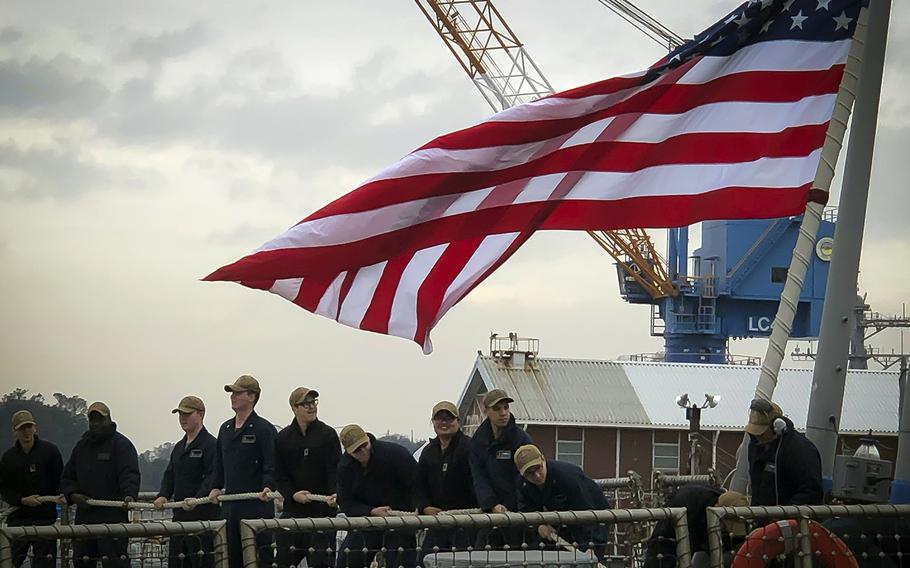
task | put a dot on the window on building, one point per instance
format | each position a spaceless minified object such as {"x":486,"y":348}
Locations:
{"x":666,"y":457}
{"x":572,"y":451}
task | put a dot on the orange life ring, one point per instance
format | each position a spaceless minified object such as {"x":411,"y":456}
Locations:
{"x":779,"y":538}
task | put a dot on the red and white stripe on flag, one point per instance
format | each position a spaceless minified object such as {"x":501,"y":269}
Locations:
{"x":726,"y":136}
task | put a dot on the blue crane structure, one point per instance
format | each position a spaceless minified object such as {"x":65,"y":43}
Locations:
{"x":730,"y":287}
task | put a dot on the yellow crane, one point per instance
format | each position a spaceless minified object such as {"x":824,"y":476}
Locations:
{"x":498,"y":64}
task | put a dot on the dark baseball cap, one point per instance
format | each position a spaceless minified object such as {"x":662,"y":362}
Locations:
{"x":495,"y":396}
{"x":189,"y":404}
{"x":300,"y":394}
{"x":21,"y":418}
{"x":528,"y":456}
{"x":244,"y":383}
{"x":100,"y":408}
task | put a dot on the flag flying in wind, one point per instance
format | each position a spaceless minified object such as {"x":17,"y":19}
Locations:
{"x":728,"y":126}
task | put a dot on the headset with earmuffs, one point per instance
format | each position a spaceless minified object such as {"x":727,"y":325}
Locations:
{"x":779,"y":425}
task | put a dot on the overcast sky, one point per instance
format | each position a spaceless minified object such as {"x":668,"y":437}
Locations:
{"x":145,"y":144}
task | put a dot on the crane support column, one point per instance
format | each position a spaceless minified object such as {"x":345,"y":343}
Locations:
{"x":683,"y":252}
{"x":672,"y":253}
{"x":826,"y":399}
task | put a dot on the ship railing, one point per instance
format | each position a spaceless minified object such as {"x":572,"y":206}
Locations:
{"x":835,"y":535}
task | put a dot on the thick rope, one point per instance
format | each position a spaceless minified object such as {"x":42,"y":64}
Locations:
{"x":41,"y":499}
{"x":395,"y":513}
{"x":224,"y":498}
{"x":228,"y":497}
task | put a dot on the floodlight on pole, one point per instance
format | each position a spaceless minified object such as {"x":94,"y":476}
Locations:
{"x":693,"y":415}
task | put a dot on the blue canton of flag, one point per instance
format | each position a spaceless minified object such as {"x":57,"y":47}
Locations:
{"x":760,"y":21}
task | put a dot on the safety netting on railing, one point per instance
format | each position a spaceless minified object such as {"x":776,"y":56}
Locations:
{"x":569,"y":538}
{"x":831,"y":536}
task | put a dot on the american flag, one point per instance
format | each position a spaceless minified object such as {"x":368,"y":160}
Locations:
{"x":728,"y":126}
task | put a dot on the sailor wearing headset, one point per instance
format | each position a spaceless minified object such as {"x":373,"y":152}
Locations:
{"x":784,"y":466}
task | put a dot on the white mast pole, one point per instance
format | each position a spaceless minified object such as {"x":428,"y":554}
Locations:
{"x":805,"y":242}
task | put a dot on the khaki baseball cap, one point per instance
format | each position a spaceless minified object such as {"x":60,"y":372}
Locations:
{"x":352,"y":437}
{"x":21,"y":418}
{"x":496,"y":396}
{"x":189,"y":404}
{"x":526,"y":457}
{"x":100,"y":408}
{"x":300,"y":394}
{"x":762,"y":414}
{"x":244,"y":383}
{"x":444,"y":405}
{"x":732,"y":499}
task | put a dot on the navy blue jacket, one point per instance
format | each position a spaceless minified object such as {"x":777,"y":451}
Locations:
{"x":388,"y":479}
{"x":444,"y":477}
{"x":785,"y":471}
{"x":185,"y":475}
{"x":567,"y":488}
{"x":244,"y":458}
{"x":307,"y":462}
{"x":495,"y":478}
{"x":102,"y":466}
{"x":696,"y":499}
{"x":34,"y":473}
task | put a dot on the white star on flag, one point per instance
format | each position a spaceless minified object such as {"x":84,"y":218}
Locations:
{"x":843,"y":22}
{"x":787,"y":5}
{"x":767,"y":25}
{"x":742,"y":21}
{"x":798,"y":20}
{"x":823,"y":4}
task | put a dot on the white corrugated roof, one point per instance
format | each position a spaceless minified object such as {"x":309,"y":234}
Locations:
{"x":566,"y":391}
{"x":573,"y":391}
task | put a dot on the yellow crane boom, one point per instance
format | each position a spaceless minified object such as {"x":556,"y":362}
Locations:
{"x":498,"y":64}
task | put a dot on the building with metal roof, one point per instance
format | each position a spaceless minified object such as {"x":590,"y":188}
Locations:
{"x":612,"y":416}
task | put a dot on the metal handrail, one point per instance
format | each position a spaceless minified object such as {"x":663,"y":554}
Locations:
{"x":124,"y":530}
{"x":677,"y":515}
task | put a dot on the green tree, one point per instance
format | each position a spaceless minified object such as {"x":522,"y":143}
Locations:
{"x":62,"y":423}
{"x":152,"y":464}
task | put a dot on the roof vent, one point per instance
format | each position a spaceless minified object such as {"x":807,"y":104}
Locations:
{"x":514,"y":351}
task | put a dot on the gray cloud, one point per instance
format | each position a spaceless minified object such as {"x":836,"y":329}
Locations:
{"x":168,"y":45}
{"x":48,"y":88}
{"x":888,"y":199}
{"x":59,"y":173}
{"x":261,"y":114}
{"x":137,"y":115}
{"x":243,"y":235}
{"x":10,"y":35}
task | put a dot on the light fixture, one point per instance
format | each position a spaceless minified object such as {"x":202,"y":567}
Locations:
{"x":683,"y":400}
{"x":824,"y":248}
{"x":712,"y":400}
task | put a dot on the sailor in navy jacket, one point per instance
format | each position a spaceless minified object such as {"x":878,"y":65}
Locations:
{"x":550,"y":485}
{"x":374,"y":479}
